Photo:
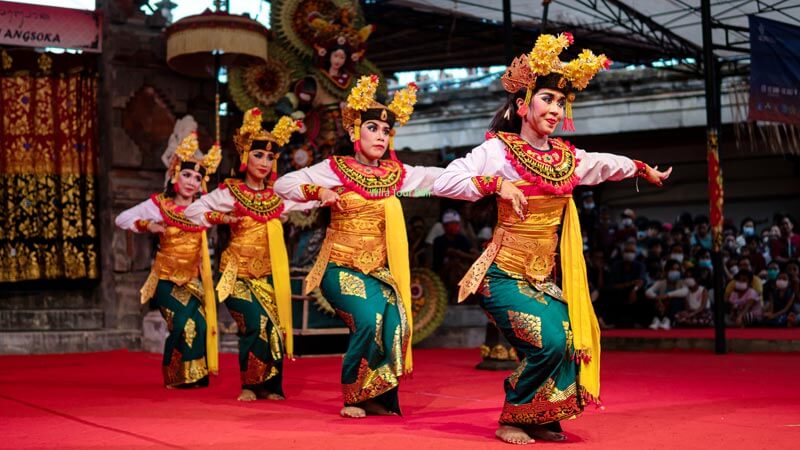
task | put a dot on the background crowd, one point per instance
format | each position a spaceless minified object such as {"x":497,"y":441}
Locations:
{"x":643,"y":272}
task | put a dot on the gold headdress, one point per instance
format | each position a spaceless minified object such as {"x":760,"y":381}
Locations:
{"x":544,"y":60}
{"x":185,"y":157}
{"x":251,"y":131}
{"x":362,"y":106}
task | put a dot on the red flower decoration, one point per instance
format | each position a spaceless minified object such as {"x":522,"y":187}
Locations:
{"x":374,"y":78}
{"x":413,"y":85}
{"x":607,"y":64}
{"x":569,"y":37}
{"x":256,"y":112}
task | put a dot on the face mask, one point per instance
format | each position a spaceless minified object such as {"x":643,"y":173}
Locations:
{"x":704,"y":263}
{"x":781,"y":284}
{"x":629,"y":256}
{"x":741,"y":285}
{"x":626,"y":222}
{"x":690,"y":282}
{"x":674,"y":275}
{"x":748,"y":231}
{"x":765,"y":239}
{"x":772,"y":274}
{"x":588,"y":205}
{"x":677,"y":257}
{"x":734,"y":270}
{"x":641,"y":234}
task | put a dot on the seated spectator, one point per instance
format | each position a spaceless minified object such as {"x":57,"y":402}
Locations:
{"x":755,"y":282}
{"x":597,"y":274}
{"x":748,"y":229}
{"x":627,"y":227}
{"x":625,"y":283}
{"x":676,"y":253}
{"x":793,"y":270}
{"x":787,"y":245}
{"x":696,"y":311}
{"x":779,"y":300}
{"x":701,"y":235}
{"x":772,"y":272}
{"x":754,"y":253}
{"x":668,"y":295}
{"x":745,"y":304}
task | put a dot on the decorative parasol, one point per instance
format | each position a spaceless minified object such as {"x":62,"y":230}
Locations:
{"x":199,"y":45}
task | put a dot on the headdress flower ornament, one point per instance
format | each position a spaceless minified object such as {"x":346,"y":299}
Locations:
{"x":251,"y":131}
{"x":544,"y":60}
{"x":186,"y":153}
{"x":362,"y":106}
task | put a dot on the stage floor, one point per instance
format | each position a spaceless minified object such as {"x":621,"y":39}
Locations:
{"x":652,"y":401}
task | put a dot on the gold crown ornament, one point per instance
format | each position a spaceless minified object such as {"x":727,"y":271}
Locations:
{"x":361,"y":106}
{"x":544,"y":60}
{"x":185,"y":158}
{"x":251,"y":136}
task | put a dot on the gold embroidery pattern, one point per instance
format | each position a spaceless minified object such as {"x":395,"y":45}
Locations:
{"x":183,"y":372}
{"x":190,"y":332}
{"x":397,"y":351}
{"x":370,"y":384}
{"x":168,"y":314}
{"x":380,"y":182}
{"x":241,"y":291}
{"x":526,"y":290}
{"x":180,"y":294}
{"x":550,"y":288}
{"x":275,"y":345}
{"x":568,"y":333}
{"x":266,"y":298}
{"x":549,"y":404}
{"x":239,"y":319}
{"x":555,"y":166}
{"x":262,"y":334}
{"x":257,"y":371}
{"x":513,"y":379}
{"x":388,"y":294}
{"x":379,"y":330}
{"x":347,"y":319}
{"x":173,"y":214}
{"x":352,"y":285}
{"x":262,"y":205}
{"x":527,"y":327}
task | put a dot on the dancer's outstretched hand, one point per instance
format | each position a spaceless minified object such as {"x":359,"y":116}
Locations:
{"x":511,"y":193}
{"x":327,"y":197}
{"x":230,"y":218}
{"x":657,"y":177}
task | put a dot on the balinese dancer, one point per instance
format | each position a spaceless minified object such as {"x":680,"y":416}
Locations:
{"x":254,"y":283}
{"x":554,"y":330}
{"x":362,"y":268}
{"x":180,"y":282}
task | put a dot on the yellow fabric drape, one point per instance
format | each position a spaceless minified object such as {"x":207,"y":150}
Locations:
{"x":210,"y":307}
{"x":281,"y":281}
{"x":575,"y":286}
{"x":397,"y":254}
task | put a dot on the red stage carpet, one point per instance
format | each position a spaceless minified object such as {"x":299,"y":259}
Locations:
{"x":652,"y":401}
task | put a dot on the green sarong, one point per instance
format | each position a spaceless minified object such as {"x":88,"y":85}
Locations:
{"x":252,"y":305}
{"x":378,"y":333}
{"x":184,"y":363}
{"x":544,"y":388}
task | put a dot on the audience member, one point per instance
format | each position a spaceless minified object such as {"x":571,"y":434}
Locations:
{"x":696,"y":311}
{"x":668,"y":295}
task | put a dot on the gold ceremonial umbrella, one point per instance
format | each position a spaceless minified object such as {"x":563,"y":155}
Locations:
{"x":199,"y":45}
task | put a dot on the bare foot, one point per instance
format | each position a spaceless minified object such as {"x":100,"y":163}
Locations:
{"x":542,"y":433}
{"x":513,"y":435}
{"x":352,"y":412}
{"x":247,"y":396}
{"x":274,"y":396}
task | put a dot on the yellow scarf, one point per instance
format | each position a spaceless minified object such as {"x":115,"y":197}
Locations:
{"x":575,"y":286}
{"x":210,"y":307}
{"x":397,"y":254}
{"x":281,"y":281}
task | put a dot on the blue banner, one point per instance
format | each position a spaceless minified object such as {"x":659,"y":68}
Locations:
{"x":774,"y":71}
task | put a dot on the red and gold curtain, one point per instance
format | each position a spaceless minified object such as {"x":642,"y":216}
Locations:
{"x":48,"y":161}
